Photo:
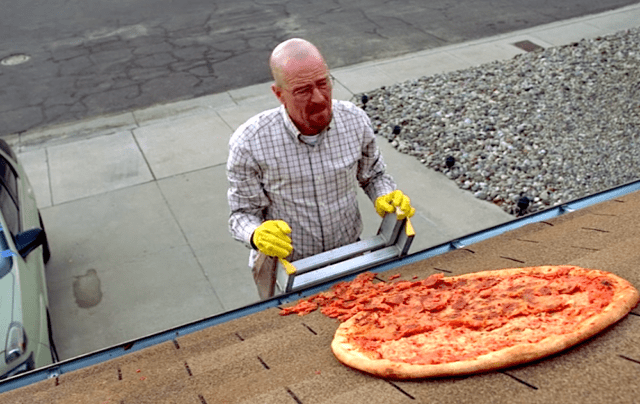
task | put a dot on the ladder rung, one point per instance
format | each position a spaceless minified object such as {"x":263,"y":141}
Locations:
{"x":339,"y":254}
{"x":339,"y":269}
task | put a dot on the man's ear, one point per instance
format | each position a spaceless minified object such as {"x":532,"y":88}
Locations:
{"x":277,"y":91}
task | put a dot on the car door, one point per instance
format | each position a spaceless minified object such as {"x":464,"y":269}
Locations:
{"x":31,"y":278}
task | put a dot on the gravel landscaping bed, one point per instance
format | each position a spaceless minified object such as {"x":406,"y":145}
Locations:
{"x":537,"y":130}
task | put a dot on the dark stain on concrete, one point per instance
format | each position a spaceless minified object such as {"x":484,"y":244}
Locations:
{"x":86,"y":289}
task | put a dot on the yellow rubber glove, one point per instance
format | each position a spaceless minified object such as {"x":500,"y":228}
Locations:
{"x":388,"y":203}
{"x":271,"y":238}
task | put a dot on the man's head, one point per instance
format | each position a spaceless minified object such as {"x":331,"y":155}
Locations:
{"x":302,"y":84}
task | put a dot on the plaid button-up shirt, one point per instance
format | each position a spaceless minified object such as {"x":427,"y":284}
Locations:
{"x":273,"y":175}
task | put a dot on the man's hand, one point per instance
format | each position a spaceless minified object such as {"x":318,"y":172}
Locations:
{"x":388,"y":203}
{"x":271,"y":238}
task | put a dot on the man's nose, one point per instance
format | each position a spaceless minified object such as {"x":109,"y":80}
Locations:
{"x":316,"y":95}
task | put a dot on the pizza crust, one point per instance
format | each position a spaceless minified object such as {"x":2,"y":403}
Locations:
{"x":624,"y":299}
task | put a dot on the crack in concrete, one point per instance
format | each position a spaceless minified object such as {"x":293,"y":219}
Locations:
{"x":376,"y":25}
{"x":420,"y":30}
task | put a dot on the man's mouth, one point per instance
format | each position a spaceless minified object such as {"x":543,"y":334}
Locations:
{"x":318,"y":110}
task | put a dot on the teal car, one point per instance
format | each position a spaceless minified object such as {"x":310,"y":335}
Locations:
{"x":25,"y":327}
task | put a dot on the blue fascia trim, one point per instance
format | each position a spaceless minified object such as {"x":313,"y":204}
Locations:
{"x":105,"y":354}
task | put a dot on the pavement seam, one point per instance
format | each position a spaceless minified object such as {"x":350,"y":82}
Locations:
{"x":135,"y":119}
{"x":224,"y":120}
{"x":144,"y":157}
{"x":46,"y":158}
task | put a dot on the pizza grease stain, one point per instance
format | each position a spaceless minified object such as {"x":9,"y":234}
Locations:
{"x":86,"y":289}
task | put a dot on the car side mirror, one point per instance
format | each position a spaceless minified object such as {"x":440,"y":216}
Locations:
{"x":28,"y":241}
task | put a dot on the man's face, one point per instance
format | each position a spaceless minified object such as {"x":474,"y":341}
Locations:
{"x":306,"y":94}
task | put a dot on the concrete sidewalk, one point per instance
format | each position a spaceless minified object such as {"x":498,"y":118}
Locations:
{"x":135,"y":204}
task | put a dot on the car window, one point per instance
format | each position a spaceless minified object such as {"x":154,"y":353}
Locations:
{"x":9,"y":211}
{"x":6,"y":256}
{"x":9,"y":178}
{"x":9,"y":196}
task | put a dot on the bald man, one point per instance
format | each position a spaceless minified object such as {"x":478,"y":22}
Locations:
{"x":293,"y":171}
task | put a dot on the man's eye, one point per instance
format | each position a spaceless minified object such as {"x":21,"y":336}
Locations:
{"x":302,"y":91}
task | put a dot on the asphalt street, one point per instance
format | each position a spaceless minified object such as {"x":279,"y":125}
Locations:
{"x":67,"y":60}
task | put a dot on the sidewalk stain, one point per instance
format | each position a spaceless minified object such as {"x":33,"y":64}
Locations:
{"x":86,"y":289}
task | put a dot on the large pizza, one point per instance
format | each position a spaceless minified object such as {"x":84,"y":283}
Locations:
{"x":442,"y":326}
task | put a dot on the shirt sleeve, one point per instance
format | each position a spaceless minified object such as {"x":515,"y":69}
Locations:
{"x":247,"y":201}
{"x":372,"y":175}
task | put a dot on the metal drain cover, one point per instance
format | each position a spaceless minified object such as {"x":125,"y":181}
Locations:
{"x":13,"y":60}
{"x":528,"y":46}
